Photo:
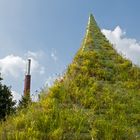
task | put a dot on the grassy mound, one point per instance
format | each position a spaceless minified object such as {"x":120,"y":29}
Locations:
{"x":98,"y":98}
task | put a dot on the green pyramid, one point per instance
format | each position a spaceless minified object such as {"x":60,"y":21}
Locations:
{"x":98,"y":98}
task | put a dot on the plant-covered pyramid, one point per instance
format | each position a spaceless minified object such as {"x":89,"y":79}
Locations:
{"x":97,"y":99}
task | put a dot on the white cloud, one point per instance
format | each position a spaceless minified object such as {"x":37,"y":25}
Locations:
{"x":50,"y":80}
{"x":32,"y":54}
{"x":35,"y":55}
{"x":16,"y":96}
{"x":35,"y":58}
{"x":54,"y":56}
{"x":42,"y":70}
{"x":129,"y":47}
{"x":12,"y":65}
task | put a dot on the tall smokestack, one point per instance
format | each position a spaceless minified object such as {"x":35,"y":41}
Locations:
{"x":27,"y":82}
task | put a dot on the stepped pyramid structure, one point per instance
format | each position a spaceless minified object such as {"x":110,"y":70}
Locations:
{"x":98,"y":98}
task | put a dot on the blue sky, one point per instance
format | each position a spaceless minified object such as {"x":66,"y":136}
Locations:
{"x":51,"y":31}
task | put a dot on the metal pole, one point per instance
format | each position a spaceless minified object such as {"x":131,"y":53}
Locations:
{"x":28,"y":66}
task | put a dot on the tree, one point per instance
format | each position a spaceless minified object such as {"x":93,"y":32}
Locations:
{"x":7,"y":105}
{"x":24,"y":102}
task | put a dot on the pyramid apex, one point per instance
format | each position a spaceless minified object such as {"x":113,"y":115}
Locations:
{"x":91,"y":19}
{"x":90,"y":15}
{"x":91,"y":27}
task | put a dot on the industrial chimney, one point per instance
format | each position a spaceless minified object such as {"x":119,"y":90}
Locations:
{"x":27,"y":82}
